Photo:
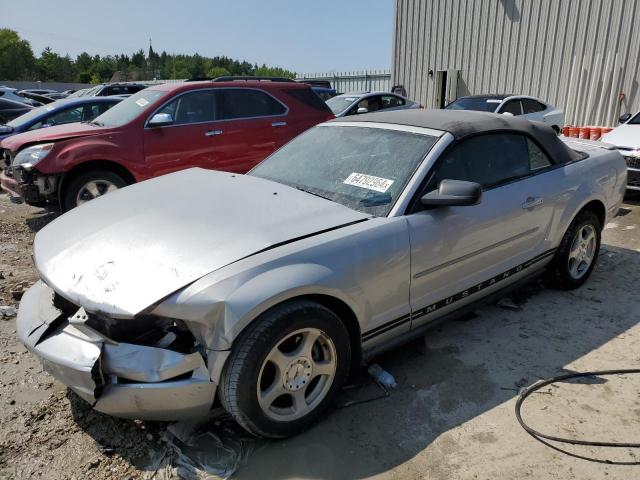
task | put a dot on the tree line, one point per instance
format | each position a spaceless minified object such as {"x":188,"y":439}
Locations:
{"x":18,"y":62}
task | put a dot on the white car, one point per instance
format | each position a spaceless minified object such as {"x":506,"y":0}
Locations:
{"x":626,"y":138}
{"x":519,"y":105}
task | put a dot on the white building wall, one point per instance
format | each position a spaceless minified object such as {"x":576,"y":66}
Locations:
{"x":578,"y":55}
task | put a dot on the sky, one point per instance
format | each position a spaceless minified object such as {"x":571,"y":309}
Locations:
{"x":302,"y":36}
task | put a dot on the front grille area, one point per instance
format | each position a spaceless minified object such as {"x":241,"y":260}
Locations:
{"x":146,"y":330}
{"x":633,"y":178}
{"x":632,"y":162}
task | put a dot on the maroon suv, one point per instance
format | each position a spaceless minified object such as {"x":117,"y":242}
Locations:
{"x":225,"y":125}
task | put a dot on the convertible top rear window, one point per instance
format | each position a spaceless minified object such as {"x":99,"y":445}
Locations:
{"x":363,"y":168}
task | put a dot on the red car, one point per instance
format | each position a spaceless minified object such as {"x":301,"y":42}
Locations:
{"x":225,"y":125}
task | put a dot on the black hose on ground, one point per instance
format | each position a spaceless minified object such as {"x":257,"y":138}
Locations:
{"x":540,"y":436}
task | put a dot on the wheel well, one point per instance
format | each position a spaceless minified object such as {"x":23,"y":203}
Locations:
{"x":95,"y":165}
{"x":597,"y":207}
{"x":349,"y":320}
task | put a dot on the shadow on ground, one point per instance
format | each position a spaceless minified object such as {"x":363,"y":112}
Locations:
{"x":41,"y":219}
{"x":457,"y":372}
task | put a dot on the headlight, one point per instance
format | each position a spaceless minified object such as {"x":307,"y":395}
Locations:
{"x":28,"y":157}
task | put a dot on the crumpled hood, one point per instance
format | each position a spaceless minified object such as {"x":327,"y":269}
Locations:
{"x":121,"y":253}
{"x":59,"y":132}
{"x":627,"y":136}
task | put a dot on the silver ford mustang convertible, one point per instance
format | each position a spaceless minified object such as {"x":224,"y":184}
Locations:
{"x":266,"y":289}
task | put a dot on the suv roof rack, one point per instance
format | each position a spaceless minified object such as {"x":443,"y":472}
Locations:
{"x":316,"y":83}
{"x":231,"y":78}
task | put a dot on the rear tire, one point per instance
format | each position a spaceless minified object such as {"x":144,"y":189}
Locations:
{"x":90,"y":185}
{"x":578,"y":252}
{"x":285,"y":369}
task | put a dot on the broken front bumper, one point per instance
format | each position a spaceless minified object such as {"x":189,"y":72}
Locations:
{"x":120,"y":379}
{"x":30,"y":186}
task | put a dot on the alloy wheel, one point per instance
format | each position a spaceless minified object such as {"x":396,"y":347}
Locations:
{"x":296,"y":375}
{"x":94,"y":189}
{"x":583,"y":249}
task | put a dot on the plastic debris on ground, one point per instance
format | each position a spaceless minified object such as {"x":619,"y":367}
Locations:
{"x":211,"y":448}
{"x":382,"y":377}
{"x":7,"y":311}
{"x":508,"y":304}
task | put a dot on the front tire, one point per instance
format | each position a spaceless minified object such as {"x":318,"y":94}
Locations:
{"x":90,"y":185}
{"x":285,"y":369}
{"x":578,"y":252}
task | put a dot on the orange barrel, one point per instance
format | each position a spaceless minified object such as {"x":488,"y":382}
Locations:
{"x":595,"y":133}
{"x":605,"y":130}
{"x":566,"y":130}
{"x":585,"y":133}
{"x":573,"y":132}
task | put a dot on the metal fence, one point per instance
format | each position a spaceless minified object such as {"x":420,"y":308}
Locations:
{"x":58,"y":86}
{"x":363,"y":81}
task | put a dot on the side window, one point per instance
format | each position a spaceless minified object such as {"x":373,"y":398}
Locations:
{"x":372,"y":104}
{"x":192,"y":107}
{"x":532,"y":106}
{"x":488,"y":159}
{"x":246,"y":103}
{"x":513,"y":107}
{"x":537,"y":158}
{"x":67,"y":116}
{"x":391,"y":101}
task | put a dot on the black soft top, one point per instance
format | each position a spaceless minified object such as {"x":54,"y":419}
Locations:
{"x":466,"y":123}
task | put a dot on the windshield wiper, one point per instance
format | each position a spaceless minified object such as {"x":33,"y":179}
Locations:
{"x":313,"y":193}
{"x":96,"y":123}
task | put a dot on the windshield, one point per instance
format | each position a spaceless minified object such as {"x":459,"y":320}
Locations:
{"x":362,"y":168}
{"x":340,"y":104}
{"x":481,"y":104}
{"x":128,"y":109}
{"x":635,"y":120}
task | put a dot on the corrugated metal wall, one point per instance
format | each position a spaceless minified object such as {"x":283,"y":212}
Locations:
{"x":578,"y":55}
{"x":363,"y":81}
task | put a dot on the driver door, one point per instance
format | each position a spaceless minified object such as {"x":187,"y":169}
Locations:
{"x":457,"y":252}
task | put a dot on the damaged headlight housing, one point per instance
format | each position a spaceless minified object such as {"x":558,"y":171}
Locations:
{"x":30,"y":156}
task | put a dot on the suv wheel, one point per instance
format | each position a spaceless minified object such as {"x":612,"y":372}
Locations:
{"x":285,"y":369}
{"x":90,"y":185}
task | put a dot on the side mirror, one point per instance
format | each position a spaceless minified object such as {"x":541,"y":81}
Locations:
{"x":453,"y":193}
{"x":160,"y":120}
{"x":362,"y":110}
{"x":624,"y":118}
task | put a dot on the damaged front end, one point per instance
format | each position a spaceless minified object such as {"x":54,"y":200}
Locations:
{"x":148,"y":368}
{"x":23,"y":183}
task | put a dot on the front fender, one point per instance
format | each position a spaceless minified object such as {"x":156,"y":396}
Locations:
{"x":280,"y":284}
{"x":220,"y":311}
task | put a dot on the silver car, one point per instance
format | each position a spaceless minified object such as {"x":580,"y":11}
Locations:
{"x":528,"y":107}
{"x":266,"y":289}
{"x":348,"y":104}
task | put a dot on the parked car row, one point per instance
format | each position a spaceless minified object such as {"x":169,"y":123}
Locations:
{"x":230,"y":124}
{"x":225,"y":125}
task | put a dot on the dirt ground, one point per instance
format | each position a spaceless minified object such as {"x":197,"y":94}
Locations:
{"x":452,"y":416}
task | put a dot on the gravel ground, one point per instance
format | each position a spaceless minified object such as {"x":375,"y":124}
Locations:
{"x":451,"y":417}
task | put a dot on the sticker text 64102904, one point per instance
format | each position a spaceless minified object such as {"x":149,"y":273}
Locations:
{"x":369,"y":182}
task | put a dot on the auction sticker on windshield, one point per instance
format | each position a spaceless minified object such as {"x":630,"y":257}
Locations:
{"x":143,"y":102}
{"x":370,"y":182}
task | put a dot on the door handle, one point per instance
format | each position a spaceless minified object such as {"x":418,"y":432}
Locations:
{"x":211,"y":133}
{"x":279,"y":124}
{"x":532,"y":202}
